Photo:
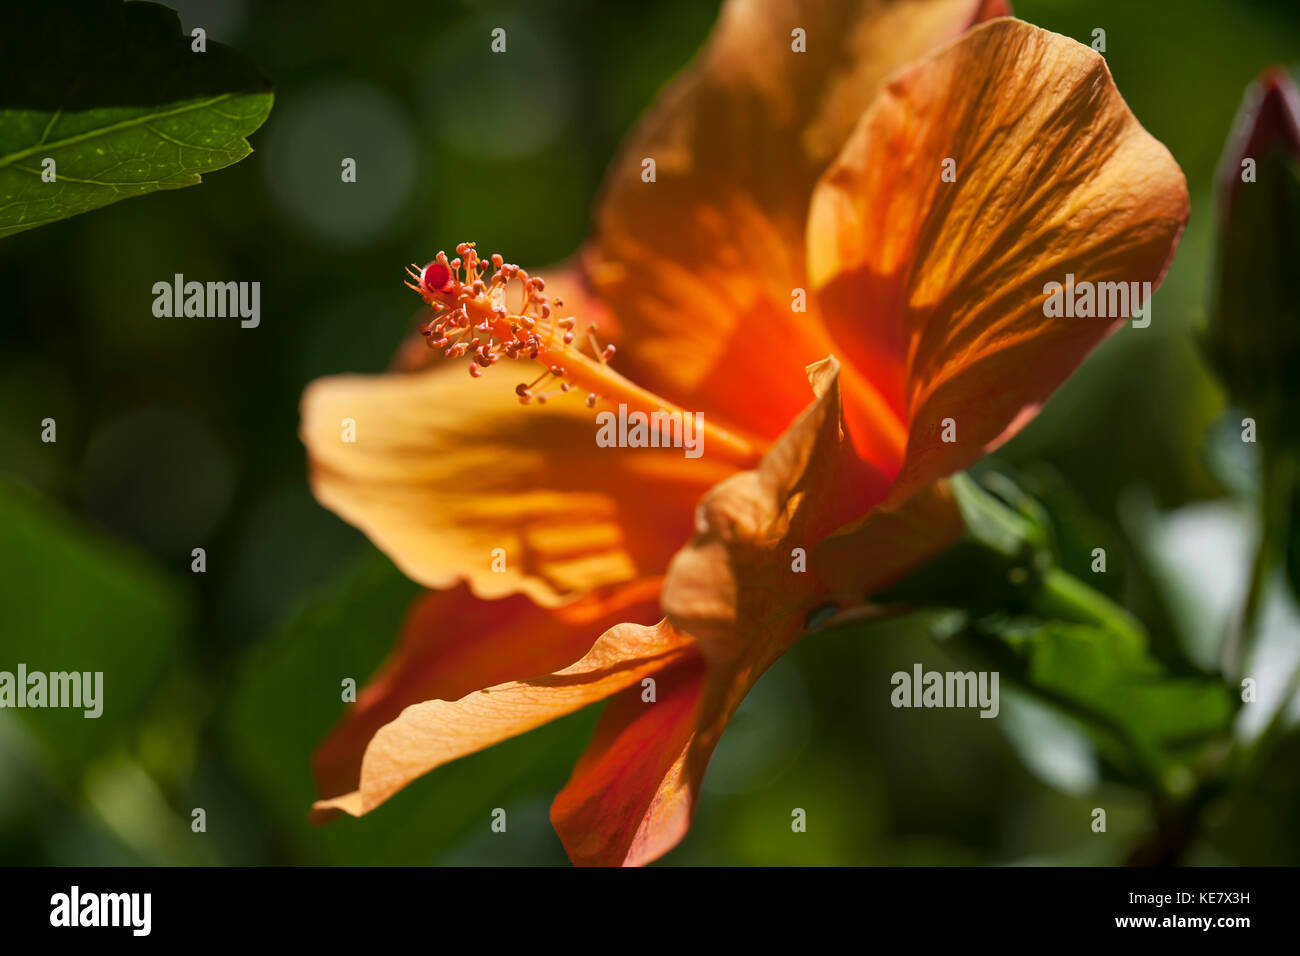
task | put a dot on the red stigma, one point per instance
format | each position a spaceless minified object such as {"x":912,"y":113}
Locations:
{"x":436,"y":277}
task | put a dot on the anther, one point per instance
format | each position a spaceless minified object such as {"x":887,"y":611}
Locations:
{"x":474,"y":316}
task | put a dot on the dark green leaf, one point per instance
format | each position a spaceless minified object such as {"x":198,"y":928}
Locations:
{"x":107,"y":101}
{"x":76,"y":602}
{"x":1002,"y":552}
{"x":1145,"y":720}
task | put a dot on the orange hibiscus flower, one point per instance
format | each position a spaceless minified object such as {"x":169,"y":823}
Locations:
{"x":802,"y":208}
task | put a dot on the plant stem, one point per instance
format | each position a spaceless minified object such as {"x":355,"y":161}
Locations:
{"x":1278,"y":477}
{"x":1065,"y":597}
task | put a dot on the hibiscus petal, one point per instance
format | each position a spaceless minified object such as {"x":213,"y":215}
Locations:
{"x":701,"y":264}
{"x":738,"y":590}
{"x":742,"y":589}
{"x":452,"y":644}
{"x":936,"y":289}
{"x":631,"y":796}
{"x":430,"y":734}
{"x":879,"y":549}
{"x":734,"y":585}
{"x":455,"y":480}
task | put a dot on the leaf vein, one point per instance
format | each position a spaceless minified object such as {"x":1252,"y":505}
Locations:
{"x":142,"y":120}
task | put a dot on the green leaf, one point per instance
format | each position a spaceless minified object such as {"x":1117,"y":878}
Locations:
{"x":111,"y":103}
{"x":1063,"y":641}
{"x":1108,"y":680}
{"x":74,"y":601}
{"x":997,"y":562}
{"x":104,"y":156}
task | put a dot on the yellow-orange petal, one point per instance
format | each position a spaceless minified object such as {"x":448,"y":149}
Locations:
{"x":632,"y":793}
{"x":453,"y":643}
{"x":456,"y":481}
{"x":701,"y":265}
{"x":430,"y":734}
{"x":936,"y":288}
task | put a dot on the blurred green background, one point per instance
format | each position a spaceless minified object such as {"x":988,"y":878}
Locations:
{"x":176,"y":434}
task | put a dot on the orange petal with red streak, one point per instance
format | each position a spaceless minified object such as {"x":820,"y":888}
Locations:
{"x":631,"y":796}
{"x":453,"y":643}
{"x":435,"y":732}
{"x":936,"y":289}
{"x":701,"y":265}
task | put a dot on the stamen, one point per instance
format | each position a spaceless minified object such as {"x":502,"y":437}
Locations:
{"x":468,"y":293}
